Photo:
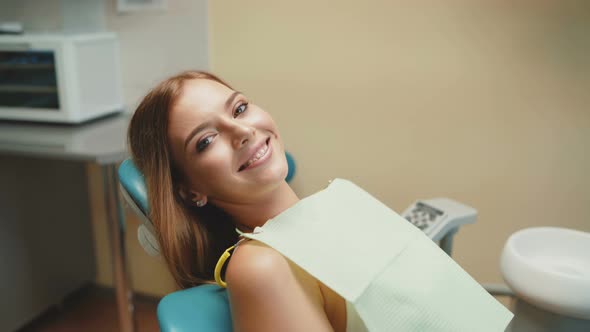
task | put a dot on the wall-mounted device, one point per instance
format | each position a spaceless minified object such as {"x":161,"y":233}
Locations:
{"x":439,"y":216}
{"x":67,"y":78}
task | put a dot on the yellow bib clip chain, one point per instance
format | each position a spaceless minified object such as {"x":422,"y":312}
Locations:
{"x":219,"y":266}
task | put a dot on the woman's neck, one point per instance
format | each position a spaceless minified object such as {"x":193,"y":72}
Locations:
{"x":249,"y":216}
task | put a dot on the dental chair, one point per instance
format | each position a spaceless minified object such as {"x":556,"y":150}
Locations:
{"x":206,"y":307}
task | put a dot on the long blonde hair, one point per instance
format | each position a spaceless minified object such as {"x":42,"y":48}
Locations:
{"x":191,"y":239}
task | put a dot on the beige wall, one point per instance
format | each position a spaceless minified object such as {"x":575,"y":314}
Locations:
{"x":483,"y":103}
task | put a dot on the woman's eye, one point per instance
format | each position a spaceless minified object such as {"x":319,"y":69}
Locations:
{"x":240,"y":109}
{"x":204,"y":143}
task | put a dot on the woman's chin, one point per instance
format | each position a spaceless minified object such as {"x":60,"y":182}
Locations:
{"x":270,"y":175}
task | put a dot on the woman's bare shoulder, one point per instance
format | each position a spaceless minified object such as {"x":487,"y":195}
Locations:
{"x":254,"y":263}
{"x":267,"y":290}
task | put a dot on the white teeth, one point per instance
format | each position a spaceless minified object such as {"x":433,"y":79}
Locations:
{"x":257,"y":156}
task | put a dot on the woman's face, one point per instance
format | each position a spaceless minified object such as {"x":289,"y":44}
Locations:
{"x":228,"y":149}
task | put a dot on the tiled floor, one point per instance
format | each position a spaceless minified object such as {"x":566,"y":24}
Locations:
{"x":94,"y":310}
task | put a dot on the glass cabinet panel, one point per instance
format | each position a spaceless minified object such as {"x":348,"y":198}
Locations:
{"x":28,"y":80}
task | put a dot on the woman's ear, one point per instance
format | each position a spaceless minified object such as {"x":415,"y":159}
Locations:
{"x":199,"y":199}
{"x":192,"y":197}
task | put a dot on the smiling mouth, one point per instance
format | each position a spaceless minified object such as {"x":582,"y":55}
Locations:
{"x":259,"y":154}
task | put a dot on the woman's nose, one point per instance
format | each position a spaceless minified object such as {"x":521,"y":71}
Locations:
{"x":241,"y":133}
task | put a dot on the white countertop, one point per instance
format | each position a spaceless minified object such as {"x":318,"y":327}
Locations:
{"x":102,"y":141}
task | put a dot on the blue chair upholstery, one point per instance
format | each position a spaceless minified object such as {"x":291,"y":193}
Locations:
{"x":133,"y":182}
{"x":201,"y":308}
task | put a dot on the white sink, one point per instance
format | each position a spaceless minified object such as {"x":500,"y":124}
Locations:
{"x":549,"y":267}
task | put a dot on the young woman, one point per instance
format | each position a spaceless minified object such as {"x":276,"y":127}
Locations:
{"x":213,"y":161}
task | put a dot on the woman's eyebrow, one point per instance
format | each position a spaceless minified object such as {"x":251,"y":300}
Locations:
{"x":231,"y":98}
{"x":204,"y":125}
{"x":195,"y":131}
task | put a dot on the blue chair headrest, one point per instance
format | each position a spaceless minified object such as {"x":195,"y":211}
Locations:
{"x":133,"y":182}
{"x":291,"y":167}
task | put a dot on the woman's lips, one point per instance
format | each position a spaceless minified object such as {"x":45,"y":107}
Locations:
{"x":259,"y":157}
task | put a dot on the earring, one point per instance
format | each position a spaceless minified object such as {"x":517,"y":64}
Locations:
{"x":200,"y":203}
